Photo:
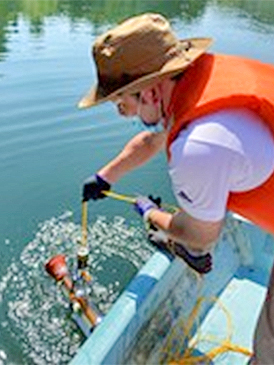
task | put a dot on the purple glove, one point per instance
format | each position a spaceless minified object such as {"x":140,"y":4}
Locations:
{"x":144,"y":204}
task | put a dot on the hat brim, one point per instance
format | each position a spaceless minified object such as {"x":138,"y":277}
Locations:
{"x":171,"y":68}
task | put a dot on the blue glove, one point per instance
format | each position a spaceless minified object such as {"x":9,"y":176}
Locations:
{"x":93,"y":187}
{"x":143,"y":204}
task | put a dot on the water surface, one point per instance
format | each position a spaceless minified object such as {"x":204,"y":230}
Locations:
{"x":48,"y":147}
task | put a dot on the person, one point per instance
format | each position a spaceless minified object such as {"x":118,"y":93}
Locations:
{"x":217,"y":118}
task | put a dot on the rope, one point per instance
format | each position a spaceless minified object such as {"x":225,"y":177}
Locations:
{"x":188,"y":358}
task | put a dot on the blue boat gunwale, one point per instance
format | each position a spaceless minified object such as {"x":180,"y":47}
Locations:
{"x":126,"y":311}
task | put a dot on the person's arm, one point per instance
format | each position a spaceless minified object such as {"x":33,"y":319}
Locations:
{"x":180,"y":234}
{"x":137,"y":151}
{"x":196,"y":235}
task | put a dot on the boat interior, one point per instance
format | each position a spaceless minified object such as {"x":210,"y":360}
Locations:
{"x":169,"y":314}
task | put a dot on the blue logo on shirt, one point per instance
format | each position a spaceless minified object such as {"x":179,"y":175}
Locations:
{"x":183,"y":195}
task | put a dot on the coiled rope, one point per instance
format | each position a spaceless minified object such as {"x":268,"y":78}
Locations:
{"x":188,"y":358}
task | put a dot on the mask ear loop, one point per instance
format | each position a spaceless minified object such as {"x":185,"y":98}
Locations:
{"x":139,"y":106}
{"x":165,"y":119}
{"x":138,"y":112}
{"x":161,"y":124}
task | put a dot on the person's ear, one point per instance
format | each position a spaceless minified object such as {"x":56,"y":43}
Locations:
{"x":156,"y":94}
{"x":151,"y":95}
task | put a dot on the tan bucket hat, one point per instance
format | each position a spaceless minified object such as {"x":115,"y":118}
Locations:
{"x":136,"y":53}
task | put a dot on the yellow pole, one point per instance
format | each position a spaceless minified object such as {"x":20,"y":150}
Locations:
{"x":116,"y":196}
{"x":131,"y":200}
{"x":84,"y":223}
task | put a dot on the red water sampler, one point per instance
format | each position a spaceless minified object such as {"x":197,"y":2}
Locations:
{"x":84,"y":313}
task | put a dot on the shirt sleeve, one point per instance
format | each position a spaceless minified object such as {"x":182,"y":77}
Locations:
{"x":200,"y":174}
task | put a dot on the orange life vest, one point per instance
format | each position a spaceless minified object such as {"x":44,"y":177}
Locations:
{"x":216,"y":82}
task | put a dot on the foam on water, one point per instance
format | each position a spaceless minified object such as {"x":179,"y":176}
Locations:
{"x":37,"y":312}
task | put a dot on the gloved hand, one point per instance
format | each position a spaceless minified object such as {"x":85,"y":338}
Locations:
{"x":143,"y":205}
{"x":202,"y":263}
{"x":93,"y":187}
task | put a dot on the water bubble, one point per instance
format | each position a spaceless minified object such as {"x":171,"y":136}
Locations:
{"x":3,"y":355}
{"x":37,"y":312}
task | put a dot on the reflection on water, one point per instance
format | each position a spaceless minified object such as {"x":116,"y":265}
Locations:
{"x":37,"y":313}
{"x":99,"y":12}
{"x":47,"y":148}
{"x":261,"y":11}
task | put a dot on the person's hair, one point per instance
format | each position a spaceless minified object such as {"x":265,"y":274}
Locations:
{"x":137,"y":95}
{"x":178,"y":76}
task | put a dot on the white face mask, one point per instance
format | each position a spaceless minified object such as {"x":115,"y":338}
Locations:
{"x":159,"y":127}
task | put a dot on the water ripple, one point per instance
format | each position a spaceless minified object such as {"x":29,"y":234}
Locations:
{"x":37,"y":312}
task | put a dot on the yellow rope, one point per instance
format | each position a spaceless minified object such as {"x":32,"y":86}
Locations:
{"x":188,"y":358}
{"x":207,"y":358}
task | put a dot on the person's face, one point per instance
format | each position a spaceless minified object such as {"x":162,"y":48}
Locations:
{"x":146,"y":105}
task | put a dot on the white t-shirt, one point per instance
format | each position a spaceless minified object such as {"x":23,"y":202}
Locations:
{"x":228,"y":151}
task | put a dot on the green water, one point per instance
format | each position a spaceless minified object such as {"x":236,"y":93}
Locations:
{"x":48,"y":147}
